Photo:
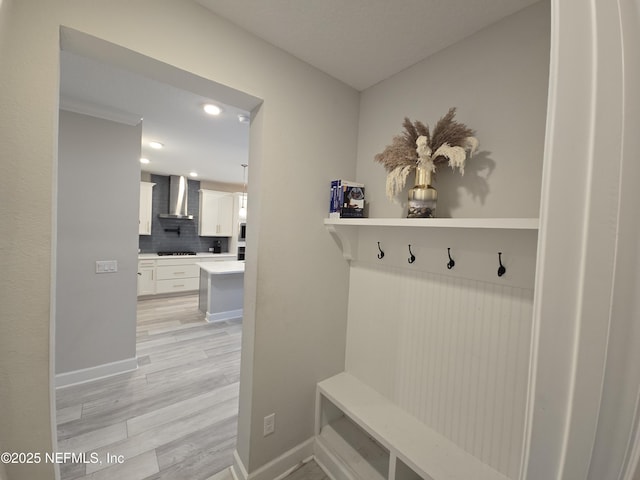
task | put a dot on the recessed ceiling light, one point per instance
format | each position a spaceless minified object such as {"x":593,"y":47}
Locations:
{"x":242,"y":118}
{"x":193,"y":174}
{"x":212,"y":109}
{"x":144,"y":160}
{"x":156,"y":145}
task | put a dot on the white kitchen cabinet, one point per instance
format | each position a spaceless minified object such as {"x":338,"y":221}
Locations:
{"x":146,"y":277}
{"x":177,"y":276}
{"x":146,"y":201}
{"x":177,"y":285}
{"x":173,"y":272}
{"x":169,"y":274}
{"x":216,"y":214}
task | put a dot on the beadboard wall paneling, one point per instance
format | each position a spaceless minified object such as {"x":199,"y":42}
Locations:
{"x":451,"y":351}
{"x":475,"y":252}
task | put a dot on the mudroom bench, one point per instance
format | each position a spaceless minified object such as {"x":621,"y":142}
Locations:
{"x":359,"y":434}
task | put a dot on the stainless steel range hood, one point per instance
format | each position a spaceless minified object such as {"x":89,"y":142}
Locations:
{"x":178,"y":196}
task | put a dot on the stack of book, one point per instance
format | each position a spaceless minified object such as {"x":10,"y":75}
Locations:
{"x":347,"y":199}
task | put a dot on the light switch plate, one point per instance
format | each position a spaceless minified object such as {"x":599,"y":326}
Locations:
{"x":106,"y":266}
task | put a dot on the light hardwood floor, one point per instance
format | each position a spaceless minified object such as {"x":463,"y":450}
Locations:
{"x":174,"y":417}
{"x":306,"y":471}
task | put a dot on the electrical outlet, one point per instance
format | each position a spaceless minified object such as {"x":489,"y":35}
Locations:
{"x":269,"y":424}
{"x":106,"y":266}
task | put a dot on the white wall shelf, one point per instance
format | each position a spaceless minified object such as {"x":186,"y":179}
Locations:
{"x":345,"y":230}
{"x":484,"y":223}
{"x":409,"y":448}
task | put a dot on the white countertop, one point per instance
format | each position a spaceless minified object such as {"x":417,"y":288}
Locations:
{"x":222,"y":268}
{"x":155,"y":256}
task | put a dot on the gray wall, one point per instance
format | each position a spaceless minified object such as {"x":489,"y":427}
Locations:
{"x":98,"y":196}
{"x":310,"y":152}
{"x":497,"y":78}
{"x":295,"y":311}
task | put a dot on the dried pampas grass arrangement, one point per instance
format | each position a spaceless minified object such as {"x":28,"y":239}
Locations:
{"x":448,"y":143}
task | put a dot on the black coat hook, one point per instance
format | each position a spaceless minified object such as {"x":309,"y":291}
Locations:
{"x":501,"y":269}
{"x":412,"y":258}
{"x":451,"y":263}
{"x":381,"y":254}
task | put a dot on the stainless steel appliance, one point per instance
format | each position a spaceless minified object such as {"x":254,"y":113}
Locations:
{"x":178,"y":198}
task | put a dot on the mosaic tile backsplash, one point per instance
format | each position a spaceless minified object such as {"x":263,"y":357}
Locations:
{"x":188,"y":240}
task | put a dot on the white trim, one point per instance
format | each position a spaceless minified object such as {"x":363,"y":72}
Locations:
{"x":329,"y":463}
{"x":84,"y":375}
{"x":288,"y":472}
{"x":222,"y":316}
{"x":99,"y":111}
{"x":233,"y":473}
{"x":324,"y":468}
{"x":577,"y":245}
{"x":631,"y":465}
{"x":278,"y":468}
{"x":238,"y":470}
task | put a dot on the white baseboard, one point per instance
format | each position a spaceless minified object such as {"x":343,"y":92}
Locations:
{"x":326,"y":471}
{"x":238,"y":469}
{"x":330,"y":465}
{"x":233,"y":473}
{"x":222,"y":316}
{"x":276,"y":469}
{"x":94,"y":373}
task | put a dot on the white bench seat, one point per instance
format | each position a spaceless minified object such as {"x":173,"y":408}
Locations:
{"x":404,"y":440}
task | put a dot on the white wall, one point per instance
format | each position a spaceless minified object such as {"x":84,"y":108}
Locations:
{"x":206,"y":184}
{"x":28,"y":132}
{"x":416,"y":332}
{"x":497,"y":79}
{"x":622,"y":376}
{"x":4,"y":331}
{"x":27,"y":145}
{"x":451,"y":351}
{"x":97,"y":219}
{"x":221,"y":187}
{"x":303,"y":135}
{"x":585,"y":373}
{"x":3,"y":45}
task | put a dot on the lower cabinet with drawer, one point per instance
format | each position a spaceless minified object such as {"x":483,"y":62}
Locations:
{"x":177,"y":278}
{"x":159,"y":276}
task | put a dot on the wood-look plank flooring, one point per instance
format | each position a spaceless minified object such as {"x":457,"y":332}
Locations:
{"x":174,"y":417}
{"x":307,"y":471}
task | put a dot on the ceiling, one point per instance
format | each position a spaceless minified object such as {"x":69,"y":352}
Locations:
{"x":213,"y":147}
{"x":360,"y":42}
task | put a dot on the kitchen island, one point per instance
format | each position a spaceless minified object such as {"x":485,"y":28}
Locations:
{"x":175,"y":274}
{"x":221,"y":290}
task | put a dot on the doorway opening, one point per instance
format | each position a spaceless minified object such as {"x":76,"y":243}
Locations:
{"x":148,"y":381}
